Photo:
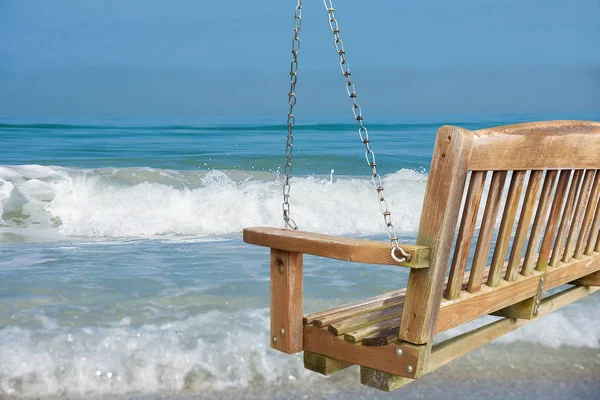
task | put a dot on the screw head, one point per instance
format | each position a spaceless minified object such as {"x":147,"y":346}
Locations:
{"x":274,"y":339}
{"x":399,"y":351}
{"x":409,"y":369}
{"x":282,"y":331}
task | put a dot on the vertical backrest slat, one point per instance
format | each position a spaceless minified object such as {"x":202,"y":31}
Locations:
{"x":539,"y":222}
{"x":584,"y":194}
{"x":487,"y":229}
{"x":508,"y":220}
{"x":465,"y":234}
{"x":587,"y":219}
{"x":553,"y":218}
{"x":595,"y":232}
{"x":566,"y":218}
{"x":516,"y":253}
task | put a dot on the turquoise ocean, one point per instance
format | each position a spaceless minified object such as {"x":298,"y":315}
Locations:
{"x":123,"y":273}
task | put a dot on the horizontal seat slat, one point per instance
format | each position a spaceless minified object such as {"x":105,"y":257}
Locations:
{"x":383,"y":337}
{"x":325,"y":317}
{"x":374,"y":330}
{"x":363,"y":320}
{"x":339,"y":248}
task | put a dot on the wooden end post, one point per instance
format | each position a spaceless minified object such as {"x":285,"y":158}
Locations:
{"x":438,"y":223}
{"x":286,"y":301}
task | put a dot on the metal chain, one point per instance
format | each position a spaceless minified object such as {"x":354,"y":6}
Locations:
{"x":291,"y":120}
{"x":363,"y":133}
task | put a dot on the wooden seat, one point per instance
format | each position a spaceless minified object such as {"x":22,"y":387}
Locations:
{"x":524,"y":197}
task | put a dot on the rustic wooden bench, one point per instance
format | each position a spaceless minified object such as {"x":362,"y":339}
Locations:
{"x":553,"y":170}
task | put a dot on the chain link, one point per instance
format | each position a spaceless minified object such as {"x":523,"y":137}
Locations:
{"x":291,"y":119}
{"x":363,"y":133}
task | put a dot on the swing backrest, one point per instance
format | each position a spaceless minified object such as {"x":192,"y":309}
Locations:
{"x":530,"y":209}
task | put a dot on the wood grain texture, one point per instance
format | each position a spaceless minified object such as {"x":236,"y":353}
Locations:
{"x":508,"y":220}
{"x":539,"y":222}
{"x":470,"y":306}
{"x":553,"y":218}
{"x":339,"y":248}
{"x":322,"y":364}
{"x":486,"y":231}
{"x":441,"y":207}
{"x":286,"y":301}
{"x":588,"y":280}
{"x":586,"y":224}
{"x":363,"y":320}
{"x":451,"y":349}
{"x":383,"y":358}
{"x":516,"y":253}
{"x":382,"y":337}
{"x":537,"y":145}
{"x":326,"y":317}
{"x":567,"y":217}
{"x":465,"y":235}
{"x":575,"y":227}
{"x":382,"y":380}
{"x":373,"y":330}
{"x":521,"y":310}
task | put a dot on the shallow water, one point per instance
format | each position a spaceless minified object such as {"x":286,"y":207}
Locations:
{"x":123,"y":274}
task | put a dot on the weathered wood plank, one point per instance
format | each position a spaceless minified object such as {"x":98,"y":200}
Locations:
{"x":470,"y":306}
{"x":362,"y":333}
{"x":441,"y":207}
{"x":588,"y":280}
{"x":486,"y":231}
{"x":516,"y":254}
{"x":383,"y":358}
{"x":322,"y":364}
{"x":538,"y":223}
{"x":339,"y":248}
{"x":553,"y":218}
{"x":286,"y":301}
{"x":508,"y":219}
{"x":363,"y":320}
{"x":465,"y":235}
{"x":383,"y":337}
{"x":521,"y":310}
{"x":451,"y":349}
{"x":575,"y":227}
{"x":382,"y":380}
{"x":586,"y":225}
{"x":558,"y":144}
{"x":566,"y":218}
{"x":325,"y":317}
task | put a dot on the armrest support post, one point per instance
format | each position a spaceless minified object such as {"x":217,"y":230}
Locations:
{"x":286,"y":301}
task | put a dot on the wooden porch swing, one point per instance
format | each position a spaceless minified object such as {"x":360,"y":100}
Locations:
{"x":391,"y":336}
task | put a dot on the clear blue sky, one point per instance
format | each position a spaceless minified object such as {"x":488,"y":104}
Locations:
{"x":73,"y":58}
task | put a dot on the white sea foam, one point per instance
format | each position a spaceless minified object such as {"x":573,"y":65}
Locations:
{"x":143,"y":202}
{"x":173,"y":357}
{"x":202,"y":354}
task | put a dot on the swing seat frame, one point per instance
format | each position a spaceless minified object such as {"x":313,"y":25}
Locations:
{"x":391,"y":336}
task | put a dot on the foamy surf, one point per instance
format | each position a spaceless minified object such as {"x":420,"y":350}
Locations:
{"x":145,"y":202}
{"x":207,"y":353}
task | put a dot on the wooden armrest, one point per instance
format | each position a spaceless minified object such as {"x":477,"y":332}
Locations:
{"x":340,"y":248}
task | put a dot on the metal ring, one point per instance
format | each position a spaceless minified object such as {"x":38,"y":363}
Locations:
{"x":405,"y":256}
